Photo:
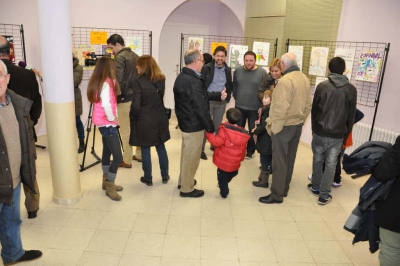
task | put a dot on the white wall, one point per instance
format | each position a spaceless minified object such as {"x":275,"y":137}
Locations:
{"x":122,"y":14}
{"x":377,"y":21}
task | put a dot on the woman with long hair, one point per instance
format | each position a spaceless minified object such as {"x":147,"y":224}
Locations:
{"x":102,"y":92}
{"x":149,"y":122}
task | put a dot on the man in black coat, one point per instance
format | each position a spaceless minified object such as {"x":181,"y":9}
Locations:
{"x":193,"y":113}
{"x":387,"y":213}
{"x":23,"y":82}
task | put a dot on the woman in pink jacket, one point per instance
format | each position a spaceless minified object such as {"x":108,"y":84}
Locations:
{"x":102,"y":92}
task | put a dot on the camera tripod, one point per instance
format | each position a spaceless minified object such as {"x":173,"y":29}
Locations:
{"x":92,"y":151}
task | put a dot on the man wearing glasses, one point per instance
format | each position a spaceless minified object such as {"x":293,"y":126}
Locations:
{"x":192,"y":111}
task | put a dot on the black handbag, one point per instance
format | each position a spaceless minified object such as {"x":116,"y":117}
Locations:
{"x":168,"y":111}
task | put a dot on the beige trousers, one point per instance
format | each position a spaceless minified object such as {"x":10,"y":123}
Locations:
{"x":190,"y":159}
{"x":125,"y":131}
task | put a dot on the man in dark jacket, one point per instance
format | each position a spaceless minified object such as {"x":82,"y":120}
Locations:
{"x":332,"y":118}
{"x":217,"y":77}
{"x":23,"y":82}
{"x":17,"y":164}
{"x":387,"y":213}
{"x":193,"y":113}
{"x":126,"y":75}
{"x":78,"y":74}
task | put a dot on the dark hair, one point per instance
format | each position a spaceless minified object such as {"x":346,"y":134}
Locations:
{"x":116,"y":38}
{"x":149,"y":67}
{"x":337,"y":65}
{"x":220,"y":49}
{"x":233,"y":115}
{"x":250,"y":53}
{"x":207,"y":58}
{"x":5,"y":47}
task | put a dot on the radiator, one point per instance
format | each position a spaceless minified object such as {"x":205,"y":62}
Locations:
{"x":361,"y":135}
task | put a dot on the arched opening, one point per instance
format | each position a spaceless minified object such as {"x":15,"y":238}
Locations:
{"x":202,"y":17}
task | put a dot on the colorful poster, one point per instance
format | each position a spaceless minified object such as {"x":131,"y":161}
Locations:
{"x":348,"y":56}
{"x":216,"y":44}
{"x":318,"y":61}
{"x":106,"y":50}
{"x":369,"y":66}
{"x":196,"y":43}
{"x":236,"y":54}
{"x":298,"y":51}
{"x":10,"y":39}
{"x":261,"y":49}
{"x":135,"y":43}
{"x":98,"y":37}
{"x":83,"y":51}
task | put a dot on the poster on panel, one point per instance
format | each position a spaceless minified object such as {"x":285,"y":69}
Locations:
{"x":318,"y":61}
{"x":216,"y":44}
{"x":298,"y":51}
{"x":236,"y":54}
{"x":369,"y":65}
{"x":196,"y":43}
{"x":261,"y":49}
{"x":135,"y":43}
{"x":348,"y":56}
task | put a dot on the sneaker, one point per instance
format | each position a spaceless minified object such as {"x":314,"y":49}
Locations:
{"x":249,"y":156}
{"x":336,"y":185}
{"x":322,"y":201}
{"x":194,"y":194}
{"x":310,"y":177}
{"x":315,"y":192}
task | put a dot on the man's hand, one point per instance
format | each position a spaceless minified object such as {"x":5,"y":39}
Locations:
{"x":223,"y":94}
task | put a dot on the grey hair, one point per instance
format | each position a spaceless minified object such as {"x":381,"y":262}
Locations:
{"x":289,"y":59}
{"x":4,"y":67}
{"x":191,"y":56}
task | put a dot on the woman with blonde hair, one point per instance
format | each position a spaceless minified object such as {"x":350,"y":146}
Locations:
{"x":102,"y":92}
{"x":149,"y":122}
{"x":269,"y":83}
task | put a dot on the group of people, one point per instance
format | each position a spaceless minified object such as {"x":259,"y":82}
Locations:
{"x":127,"y":94}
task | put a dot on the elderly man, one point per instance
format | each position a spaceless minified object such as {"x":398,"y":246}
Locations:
{"x":290,"y":108}
{"x":193,"y":113}
{"x":17,"y":163}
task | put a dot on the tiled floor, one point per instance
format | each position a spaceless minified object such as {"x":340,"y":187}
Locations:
{"x":154,"y":226}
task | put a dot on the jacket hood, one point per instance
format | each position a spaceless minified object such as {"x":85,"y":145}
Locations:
{"x":75,"y":62}
{"x":338,"y":80}
{"x":236,"y":135}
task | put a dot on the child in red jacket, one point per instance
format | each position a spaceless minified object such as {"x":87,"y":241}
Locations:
{"x":229,"y":149}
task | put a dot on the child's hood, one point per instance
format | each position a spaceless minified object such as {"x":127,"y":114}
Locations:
{"x":235,"y":134}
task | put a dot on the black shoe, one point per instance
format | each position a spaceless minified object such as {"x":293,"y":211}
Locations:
{"x":249,"y":156}
{"x":147,"y":182}
{"x":28,"y":256}
{"x":203,"y":156}
{"x":212,"y":148}
{"x":315,"y":192}
{"x":165,"y":179}
{"x":32,"y":215}
{"x":223,"y":195}
{"x":260,"y":184}
{"x":81,"y":146}
{"x":268,"y":200}
{"x":194,"y":194}
{"x":195,"y":182}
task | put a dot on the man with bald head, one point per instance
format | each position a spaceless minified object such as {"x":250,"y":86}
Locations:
{"x":289,"y":110}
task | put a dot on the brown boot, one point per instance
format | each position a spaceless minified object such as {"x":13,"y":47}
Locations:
{"x":264,"y":180}
{"x":117,"y":188}
{"x":111,"y":192}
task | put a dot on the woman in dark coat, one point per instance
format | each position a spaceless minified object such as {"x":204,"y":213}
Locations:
{"x":149,"y":123}
{"x":78,"y":73}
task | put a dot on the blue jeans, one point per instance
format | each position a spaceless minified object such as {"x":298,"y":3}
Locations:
{"x":10,"y":225}
{"x":79,"y":128}
{"x":111,"y":146}
{"x":162,"y":159}
{"x":326,"y":150}
{"x":251,"y":117}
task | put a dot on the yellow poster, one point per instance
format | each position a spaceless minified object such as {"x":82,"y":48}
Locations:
{"x":215,"y":44}
{"x":98,"y":37}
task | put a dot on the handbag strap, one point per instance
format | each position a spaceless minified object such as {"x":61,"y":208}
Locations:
{"x":158,"y":92}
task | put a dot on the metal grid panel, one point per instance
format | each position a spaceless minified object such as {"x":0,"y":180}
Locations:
{"x":230,"y":40}
{"x":367,"y":91}
{"x":17,"y":32}
{"x":81,"y":35}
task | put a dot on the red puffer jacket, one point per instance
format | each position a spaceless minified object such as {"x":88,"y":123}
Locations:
{"x":230,"y":146}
